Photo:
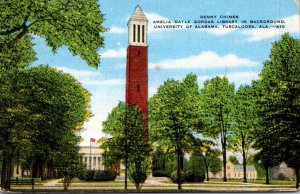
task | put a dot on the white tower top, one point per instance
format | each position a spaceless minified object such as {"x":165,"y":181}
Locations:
{"x":137,"y":28}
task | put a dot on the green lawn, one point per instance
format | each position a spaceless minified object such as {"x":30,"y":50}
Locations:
{"x":211,"y":181}
{"x":274,"y":182}
{"x":262,"y":181}
{"x":76,"y":180}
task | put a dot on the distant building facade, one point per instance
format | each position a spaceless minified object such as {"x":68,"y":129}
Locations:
{"x":235,"y":172}
{"x":92,"y":157}
{"x":282,"y":171}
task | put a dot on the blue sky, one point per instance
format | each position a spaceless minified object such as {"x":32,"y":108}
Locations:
{"x":173,"y":53}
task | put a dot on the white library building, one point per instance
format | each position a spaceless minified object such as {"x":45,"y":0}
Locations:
{"x":92,"y":157}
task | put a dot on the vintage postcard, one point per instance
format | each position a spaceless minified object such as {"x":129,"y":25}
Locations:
{"x":150,"y":96}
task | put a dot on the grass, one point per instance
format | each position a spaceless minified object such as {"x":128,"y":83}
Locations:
{"x":258,"y":181}
{"x":211,"y":181}
{"x":76,"y":180}
{"x":132,"y":190}
{"x":274,"y":182}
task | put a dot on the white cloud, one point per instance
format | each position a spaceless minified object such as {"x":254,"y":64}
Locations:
{"x":243,"y":77}
{"x":204,"y":60}
{"x":114,"y":53}
{"x":291,"y":26}
{"x":155,"y":17}
{"x":78,"y":73}
{"x":117,"y":30}
{"x":108,"y":82}
{"x":152,"y":91}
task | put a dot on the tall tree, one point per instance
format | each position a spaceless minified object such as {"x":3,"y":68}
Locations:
{"x":246,"y":121}
{"x":49,"y":106}
{"x":217,"y":111}
{"x":73,"y":23}
{"x":280,"y":83}
{"x":125,"y":128}
{"x":265,"y":139}
{"x":173,"y":110}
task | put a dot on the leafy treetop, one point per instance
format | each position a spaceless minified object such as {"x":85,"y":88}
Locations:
{"x":74,"y":23}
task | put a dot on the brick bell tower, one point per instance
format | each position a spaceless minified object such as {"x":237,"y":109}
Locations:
{"x":137,"y":64}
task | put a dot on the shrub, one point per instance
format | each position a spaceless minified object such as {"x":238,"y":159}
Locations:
{"x":109,"y":175}
{"x":88,"y":175}
{"x":194,"y":176}
{"x":281,"y":177}
{"x":137,"y":175}
{"x":105,"y":175}
{"x":160,"y":173}
{"x":98,"y":175}
{"x":174,"y":177}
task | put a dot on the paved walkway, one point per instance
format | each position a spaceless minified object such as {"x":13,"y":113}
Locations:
{"x":52,"y":183}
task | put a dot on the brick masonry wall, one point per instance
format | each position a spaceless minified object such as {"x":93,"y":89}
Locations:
{"x":137,"y":79}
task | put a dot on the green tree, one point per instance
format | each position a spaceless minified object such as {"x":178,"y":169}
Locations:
{"x":17,"y":56}
{"x":163,"y":161}
{"x":76,"y":24}
{"x":55,"y":111}
{"x":138,"y":172}
{"x":265,"y":138}
{"x":280,"y":83}
{"x":246,"y":121}
{"x":173,"y":111}
{"x":261,"y":174}
{"x":125,"y":127}
{"x":233,"y":160}
{"x":212,"y":161}
{"x":13,"y":113}
{"x":217,"y":111}
{"x":210,"y":156}
{"x":48,"y":107}
{"x":68,"y":161}
{"x":216,"y":165}
{"x":159,"y":158}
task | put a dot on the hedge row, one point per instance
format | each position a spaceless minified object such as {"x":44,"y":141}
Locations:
{"x":98,"y":175}
{"x":188,"y":176}
{"x":159,"y":173}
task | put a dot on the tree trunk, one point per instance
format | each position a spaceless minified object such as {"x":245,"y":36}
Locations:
{"x":207,"y":176}
{"x":6,"y":170}
{"x":164,"y":163}
{"x":137,"y":186}
{"x":297,"y":177}
{"x":181,"y":161}
{"x":126,"y":169}
{"x":34,"y":168}
{"x":41,"y":171}
{"x":267,"y":175}
{"x":244,"y":160}
{"x":3,"y":172}
{"x":224,"y":160}
{"x":66,"y":185}
{"x":179,"y":168}
{"x":48,"y":172}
